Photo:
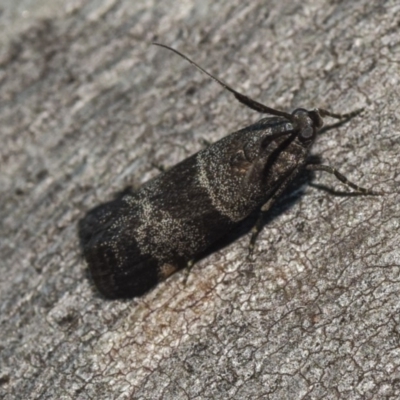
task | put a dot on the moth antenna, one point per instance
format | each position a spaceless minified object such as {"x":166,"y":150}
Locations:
{"x":247,"y":101}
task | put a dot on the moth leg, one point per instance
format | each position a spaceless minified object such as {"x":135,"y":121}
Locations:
{"x":352,"y":114}
{"x":265,"y":208}
{"x":255,"y":231}
{"x":342,"y":178}
{"x":160,"y":167}
{"x":282,"y":187}
{"x":343,"y":119}
{"x":187,"y":271}
{"x":205,"y":143}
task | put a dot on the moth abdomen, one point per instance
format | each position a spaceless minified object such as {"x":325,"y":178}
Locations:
{"x":134,"y":242}
{"x":116,"y":266}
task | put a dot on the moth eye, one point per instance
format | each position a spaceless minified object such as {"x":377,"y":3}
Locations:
{"x":307,"y":133}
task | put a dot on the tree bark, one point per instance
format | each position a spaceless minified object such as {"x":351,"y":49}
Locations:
{"x":88,"y":107}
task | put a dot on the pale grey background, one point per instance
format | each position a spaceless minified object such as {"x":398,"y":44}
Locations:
{"x":87,"y":105}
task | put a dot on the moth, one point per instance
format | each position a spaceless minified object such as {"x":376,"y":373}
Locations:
{"x":141,"y":238}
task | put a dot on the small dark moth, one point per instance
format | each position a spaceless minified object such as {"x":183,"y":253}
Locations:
{"x":134,"y":242}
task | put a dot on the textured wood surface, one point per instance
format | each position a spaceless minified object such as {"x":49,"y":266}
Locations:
{"x":88,"y":106}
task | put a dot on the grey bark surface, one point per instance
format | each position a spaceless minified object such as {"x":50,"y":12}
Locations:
{"x":88,"y":106}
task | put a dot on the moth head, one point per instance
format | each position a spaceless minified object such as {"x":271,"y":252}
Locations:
{"x":307,"y":124}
